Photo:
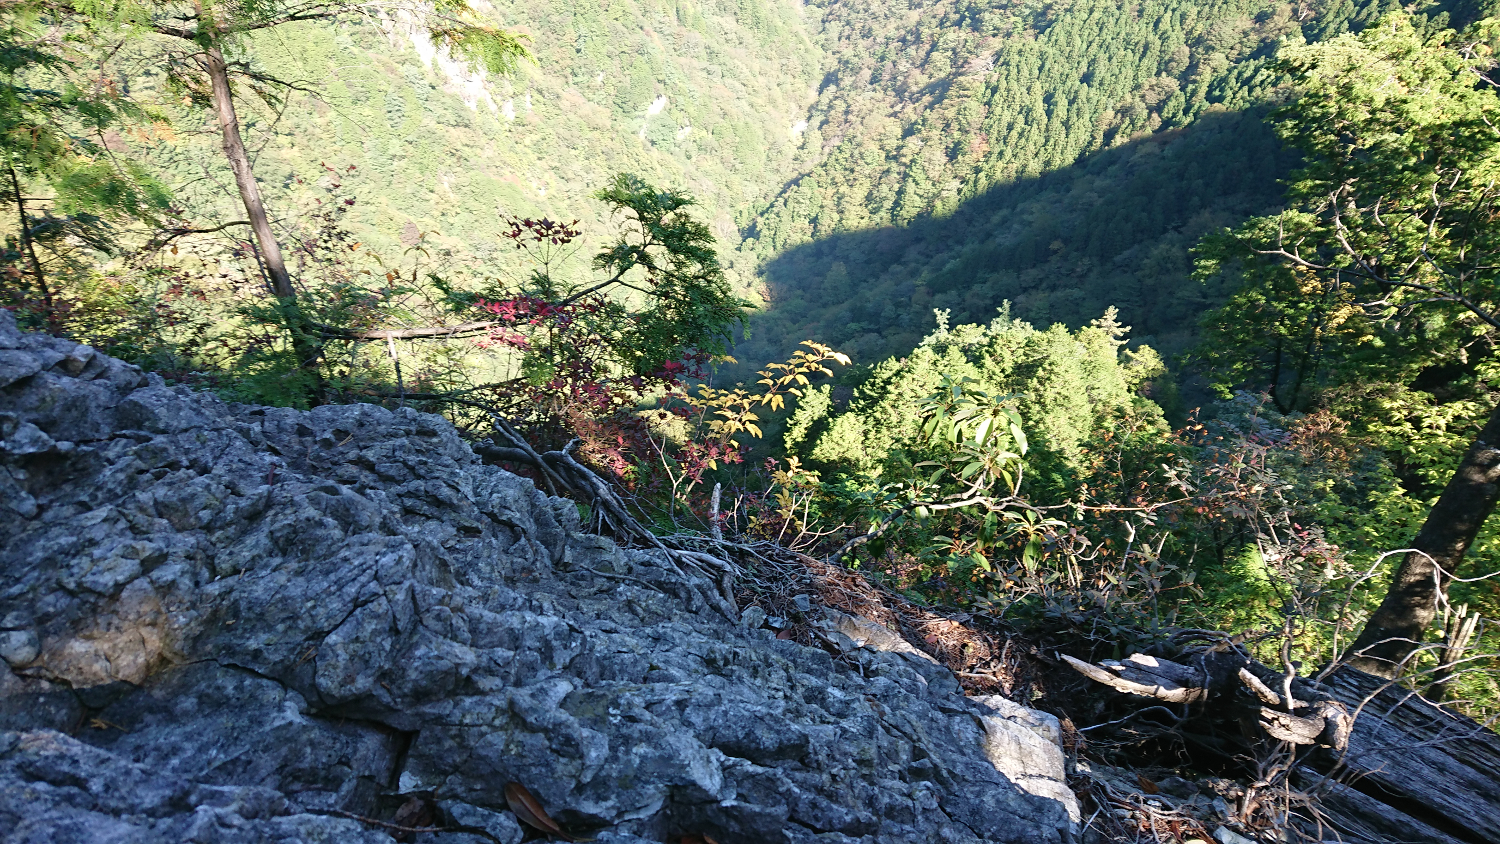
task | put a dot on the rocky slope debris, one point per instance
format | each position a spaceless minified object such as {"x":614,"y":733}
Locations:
{"x":231,"y":623}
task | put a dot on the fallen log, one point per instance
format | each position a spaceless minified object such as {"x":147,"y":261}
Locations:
{"x":1361,"y":819}
{"x":1418,"y":759}
{"x":1378,"y":763}
{"x":1176,"y":686}
{"x":1229,"y":677}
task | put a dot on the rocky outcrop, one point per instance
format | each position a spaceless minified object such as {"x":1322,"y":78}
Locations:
{"x":231,"y":623}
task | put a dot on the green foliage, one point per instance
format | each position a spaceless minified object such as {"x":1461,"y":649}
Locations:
{"x":561,"y":335}
{"x":1384,"y":264}
{"x":813,"y":409}
{"x":65,"y":188}
{"x":1068,"y":385}
{"x":1064,"y":158}
{"x":1374,"y":294}
{"x":955,"y":156}
{"x":1402,"y":152}
{"x":669,"y":258}
{"x":1294,"y":516}
{"x":1374,"y":299}
{"x":932,"y":104}
{"x":443,"y":147}
{"x":960,"y":448}
{"x":451,"y":23}
{"x":487,"y":47}
{"x":986,"y":544}
{"x":974,"y":419}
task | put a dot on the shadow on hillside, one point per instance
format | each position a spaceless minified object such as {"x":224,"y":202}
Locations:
{"x":1113,"y":229}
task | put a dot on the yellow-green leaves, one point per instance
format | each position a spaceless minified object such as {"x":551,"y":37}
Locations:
{"x":729,"y":413}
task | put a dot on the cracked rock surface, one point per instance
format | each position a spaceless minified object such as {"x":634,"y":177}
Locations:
{"x":232,"y":623}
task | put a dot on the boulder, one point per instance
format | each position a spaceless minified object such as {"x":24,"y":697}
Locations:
{"x":223,"y":623}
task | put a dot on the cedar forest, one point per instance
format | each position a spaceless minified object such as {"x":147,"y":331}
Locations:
{"x":1100,"y":318}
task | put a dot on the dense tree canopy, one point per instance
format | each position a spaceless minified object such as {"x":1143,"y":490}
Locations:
{"x":1385,"y":271}
{"x":1062,"y":157}
{"x":65,"y":186}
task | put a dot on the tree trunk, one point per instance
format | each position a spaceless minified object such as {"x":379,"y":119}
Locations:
{"x":304,"y":346}
{"x":1383,"y":765}
{"x":30,"y":247}
{"x":244,"y":177}
{"x":1395,"y":631}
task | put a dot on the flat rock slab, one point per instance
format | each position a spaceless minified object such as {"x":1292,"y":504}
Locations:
{"x":225,"y":623}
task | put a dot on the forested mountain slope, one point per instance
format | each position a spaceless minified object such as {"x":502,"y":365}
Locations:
{"x":1063,"y":156}
{"x":868,"y":161}
{"x":1300,"y":197}
{"x":700,"y":96}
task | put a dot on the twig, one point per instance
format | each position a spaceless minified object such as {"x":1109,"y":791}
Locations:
{"x":1176,"y":717}
{"x":384,"y":824}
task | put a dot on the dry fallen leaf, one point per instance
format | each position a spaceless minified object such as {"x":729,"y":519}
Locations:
{"x":415,"y":813}
{"x":1146,"y":785}
{"x":530,"y":812}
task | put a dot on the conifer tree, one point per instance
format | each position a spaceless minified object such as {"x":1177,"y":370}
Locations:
{"x":51,"y":130}
{"x":199,"y":42}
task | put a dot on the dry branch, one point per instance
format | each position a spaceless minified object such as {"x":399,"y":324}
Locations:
{"x":563,"y":473}
{"x":1359,"y":743}
{"x":1243,"y":687}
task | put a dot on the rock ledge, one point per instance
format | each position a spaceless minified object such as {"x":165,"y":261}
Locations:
{"x":222,"y":623}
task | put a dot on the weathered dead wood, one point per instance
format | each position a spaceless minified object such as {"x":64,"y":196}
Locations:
{"x":1297,"y":729}
{"x":1119,"y":677}
{"x":1142,"y":668}
{"x":1458,"y":631}
{"x":1358,"y":818}
{"x":1390,"y":766}
{"x":1259,"y":688}
{"x":1418,"y":759}
{"x":1242,"y":687}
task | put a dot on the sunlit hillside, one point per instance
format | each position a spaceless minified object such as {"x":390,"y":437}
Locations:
{"x":696,"y":96}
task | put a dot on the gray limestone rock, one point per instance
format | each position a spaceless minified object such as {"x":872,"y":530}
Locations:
{"x":501,"y":827}
{"x":231,"y":623}
{"x":19,"y":647}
